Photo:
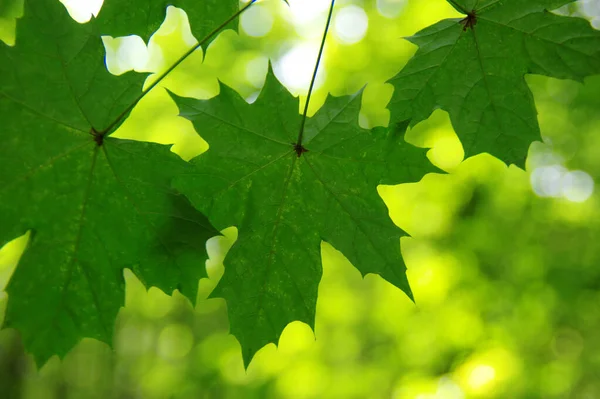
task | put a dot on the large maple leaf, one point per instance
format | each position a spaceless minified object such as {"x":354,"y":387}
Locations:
{"x":474,"y":69}
{"x":285,"y":199}
{"x":95,"y":204}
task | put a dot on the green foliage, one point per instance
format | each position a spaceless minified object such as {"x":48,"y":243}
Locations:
{"x":143,"y":17}
{"x":473,"y":68}
{"x":284,"y":203}
{"x":97,"y":205}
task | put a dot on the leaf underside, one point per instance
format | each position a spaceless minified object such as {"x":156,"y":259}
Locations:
{"x":284,"y":205}
{"x":96,"y":205}
{"x":474,"y":69}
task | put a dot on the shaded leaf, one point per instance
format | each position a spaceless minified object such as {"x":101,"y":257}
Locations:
{"x":95,"y":205}
{"x":475,"y":71}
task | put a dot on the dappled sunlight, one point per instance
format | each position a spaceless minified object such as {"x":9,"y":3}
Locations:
{"x":350,"y":24}
{"x":216,"y":247}
{"x":149,"y":301}
{"x":159,"y":380}
{"x":303,"y":380}
{"x":10,"y":254}
{"x":480,"y":376}
{"x":166,"y":46}
{"x":419,"y":387}
{"x":257,"y":21}
{"x":156,"y":119}
{"x":175,"y":341}
{"x":428,"y":208}
{"x":10,"y":12}
{"x":431,"y":274}
{"x":245,"y":73}
{"x":82,"y":11}
{"x":557,"y":182}
{"x":296,"y":339}
{"x":375,"y":98}
{"x":333,"y":293}
{"x":446,"y":150}
{"x":348,"y":52}
{"x":391,"y":8}
{"x":308,"y":16}
{"x":437,"y":133}
{"x":489,"y":373}
{"x":124,"y":54}
{"x":591,"y":8}
{"x":412,"y":210}
{"x":295,"y":68}
{"x":364,"y":47}
{"x":8,"y":26}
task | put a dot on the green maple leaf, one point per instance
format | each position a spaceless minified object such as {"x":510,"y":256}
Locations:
{"x":285,"y":201}
{"x":95,"y":204}
{"x":474,"y":69}
{"x":143,"y":17}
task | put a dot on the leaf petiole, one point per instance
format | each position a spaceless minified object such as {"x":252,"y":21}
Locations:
{"x":202,"y":42}
{"x":298,"y":145}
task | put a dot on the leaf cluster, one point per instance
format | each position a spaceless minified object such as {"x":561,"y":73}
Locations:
{"x":97,"y":205}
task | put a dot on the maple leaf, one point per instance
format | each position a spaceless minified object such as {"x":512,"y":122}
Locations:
{"x":474,"y":69}
{"x":285,"y":199}
{"x":95,"y":204}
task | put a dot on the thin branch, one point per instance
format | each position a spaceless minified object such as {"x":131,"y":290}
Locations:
{"x":201,"y":43}
{"x":298,"y":146}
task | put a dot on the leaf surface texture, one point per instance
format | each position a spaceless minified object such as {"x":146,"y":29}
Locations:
{"x":284,"y":204}
{"x":475,"y":71}
{"x":95,"y":205}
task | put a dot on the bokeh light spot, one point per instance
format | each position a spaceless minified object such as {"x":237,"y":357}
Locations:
{"x":591,"y":9}
{"x":556,"y":181}
{"x":307,"y":10}
{"x":546,"y":180}
{"x":481,"y":375}
{"x":256,"y":70}
{"x":257,"y":21}
{"x":175,"y":341}
{"x":390,"y":8}
{"x":577,"y":186}
{"x":295,"y":68}
{"x":351,"y":24}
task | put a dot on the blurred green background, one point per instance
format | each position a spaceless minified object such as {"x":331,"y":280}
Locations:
{"x":504,"y":263}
